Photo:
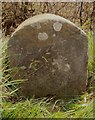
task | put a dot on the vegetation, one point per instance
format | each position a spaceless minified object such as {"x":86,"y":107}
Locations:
{"x":45,"y":108}
{"x":13,"y":13}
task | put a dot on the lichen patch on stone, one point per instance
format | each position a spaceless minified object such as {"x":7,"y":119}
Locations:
{"x":65,"y":59}
{"x":57,"y":26}
{"x":37,"y":25}
{"x":42,"y":36}
{"x":66,"y":67}
{"x":23,"y":67}
{"x":58,"y":62}
{"x":54,"y":35}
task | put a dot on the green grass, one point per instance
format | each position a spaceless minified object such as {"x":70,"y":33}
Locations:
{"x":46,"y":109}
{"x":27,"y":109}
{"x":91,"y":63}
{"x":81,"y":107}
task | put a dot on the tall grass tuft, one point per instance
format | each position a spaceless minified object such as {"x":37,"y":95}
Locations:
{"x":8,"y":85}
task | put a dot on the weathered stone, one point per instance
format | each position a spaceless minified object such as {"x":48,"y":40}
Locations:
{"x":51,"y":53}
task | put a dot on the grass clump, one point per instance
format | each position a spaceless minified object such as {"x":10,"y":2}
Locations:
{"x":45,"y":108}
{"x":26,"y":109}
{"x":91,"y":62}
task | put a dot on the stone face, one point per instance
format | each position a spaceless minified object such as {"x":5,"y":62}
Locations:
{"x":51,"y":53}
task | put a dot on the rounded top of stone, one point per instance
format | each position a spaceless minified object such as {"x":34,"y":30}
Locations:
{"x":43,"y":18}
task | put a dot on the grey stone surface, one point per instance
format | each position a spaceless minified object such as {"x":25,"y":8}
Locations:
{"x":51,"y":53}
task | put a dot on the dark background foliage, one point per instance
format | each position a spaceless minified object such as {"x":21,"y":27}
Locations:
{"x":14,"y":13}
